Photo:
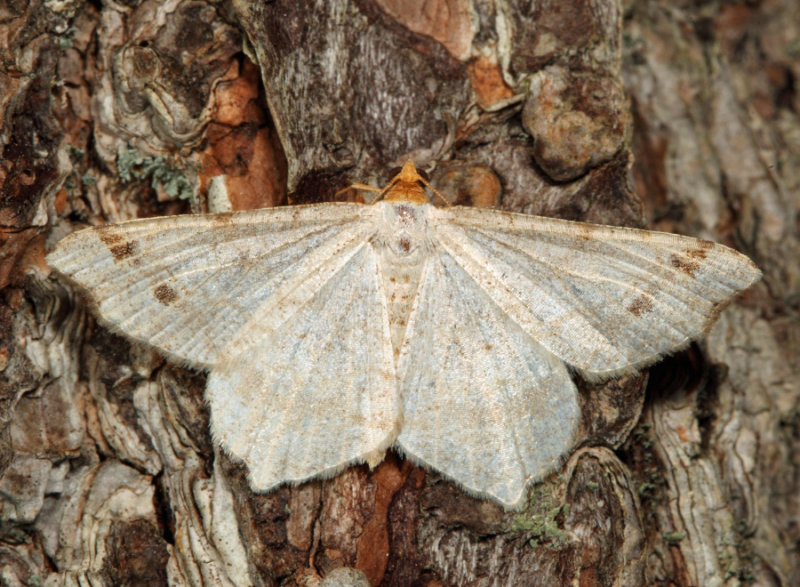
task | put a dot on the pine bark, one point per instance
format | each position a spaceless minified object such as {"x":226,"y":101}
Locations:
{"x":678,"y":117}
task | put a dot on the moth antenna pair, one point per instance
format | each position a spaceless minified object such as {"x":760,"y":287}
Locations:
{"x":408,"y":184}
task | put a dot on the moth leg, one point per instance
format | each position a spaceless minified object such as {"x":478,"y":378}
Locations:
{"x":363,"y":186}
{"x":358,"y":186}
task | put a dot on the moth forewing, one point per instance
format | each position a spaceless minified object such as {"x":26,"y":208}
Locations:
{"x":606,"y":300}
{"x":168,"y":281}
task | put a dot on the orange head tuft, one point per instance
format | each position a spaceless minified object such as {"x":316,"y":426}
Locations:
{"x":407,"y":186}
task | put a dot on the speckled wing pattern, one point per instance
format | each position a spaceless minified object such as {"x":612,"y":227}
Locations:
{"x":190,"y":284}
{"x":332,"y":332}
{"x":604,"y":299}
{"x":317,"y":394}
{"x":285,"y":308}
{"x":482,"y":401}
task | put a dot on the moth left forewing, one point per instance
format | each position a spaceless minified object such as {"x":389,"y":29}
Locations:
{"x":606,"y":300}
{"x":189,"y":284}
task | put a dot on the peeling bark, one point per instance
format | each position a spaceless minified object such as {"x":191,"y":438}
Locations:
{"x":672,"y":117}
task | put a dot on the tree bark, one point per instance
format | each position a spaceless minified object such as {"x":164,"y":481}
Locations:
{"x":676,"y":117}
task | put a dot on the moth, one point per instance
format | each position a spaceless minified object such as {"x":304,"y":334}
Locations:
{"x":332,"y":332}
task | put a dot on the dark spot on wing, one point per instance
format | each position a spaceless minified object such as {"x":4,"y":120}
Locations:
{"x":223,"y":218}
{"x":125,"y":250}
{"x":108,"y":237}
{"x":165,"y":294}
{"x":117,"y":246}
{"x":698,"y":254}
{"x":405,"y":244}
{"x":116,"y":243}
{"x":640,"y":305}
{"x":686,"y":264}
{"x":583,"y":232}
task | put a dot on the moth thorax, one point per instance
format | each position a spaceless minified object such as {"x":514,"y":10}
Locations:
{"x":401,"y":257}
{"x":404,"y":229}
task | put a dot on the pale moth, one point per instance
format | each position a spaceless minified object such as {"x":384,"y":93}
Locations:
{"x":332,"y":332}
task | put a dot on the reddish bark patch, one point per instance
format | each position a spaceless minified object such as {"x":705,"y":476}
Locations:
{"x":470,"y":185}
{"x":20,"y":248}
{"x":373,"y":544}
{"x":488,"y":83}
{"x":243,"y":145}
{"x":447,"y":21}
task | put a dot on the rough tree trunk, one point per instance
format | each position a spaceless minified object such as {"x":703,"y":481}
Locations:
{"x":117,"y":110}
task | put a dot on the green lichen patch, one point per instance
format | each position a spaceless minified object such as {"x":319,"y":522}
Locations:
{"x":539,"y":519}
{"x":133,"y":166}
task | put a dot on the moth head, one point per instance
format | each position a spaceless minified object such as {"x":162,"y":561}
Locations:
{"x":411,"y":185}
